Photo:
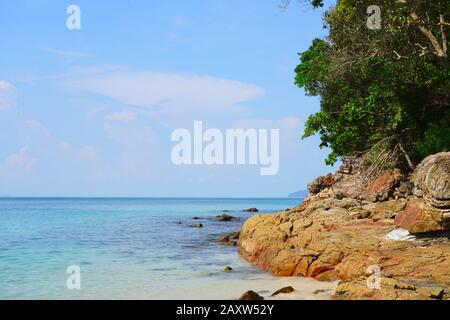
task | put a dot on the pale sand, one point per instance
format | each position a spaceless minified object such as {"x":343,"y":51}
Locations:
{"x":265,"y":285}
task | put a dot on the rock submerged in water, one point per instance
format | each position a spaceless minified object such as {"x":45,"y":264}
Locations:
{"x":232,"y":243}
{"x":250,"y":210}
{"x":234,"y":235}
{"x":196,"y":225}
{"x":251,"y":295}
{"x":227,"y":269}
{"x":229,"y":239}
{"x":225,"y":217}
{"x":284,"y":290}
{"x":226,"y":240}
{"x":223,"y":239}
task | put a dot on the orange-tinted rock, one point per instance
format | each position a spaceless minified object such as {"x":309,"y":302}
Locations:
{"x":383,"y":186}
{"x":322,"y":240}
{"x":420,"y":217}
{"x":344,"y":229}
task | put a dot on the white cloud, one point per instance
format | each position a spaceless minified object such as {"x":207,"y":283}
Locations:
{"x":124,"y":115}
{"x":22,"y":160}
{"x":8,"y":95}
{"x":140,"y":146}
{"x":159,"y":90}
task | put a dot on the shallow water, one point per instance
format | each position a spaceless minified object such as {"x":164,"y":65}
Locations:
{"x":126,"y":248}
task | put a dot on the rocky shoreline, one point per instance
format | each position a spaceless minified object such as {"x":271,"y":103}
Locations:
{"x":382,"y":234}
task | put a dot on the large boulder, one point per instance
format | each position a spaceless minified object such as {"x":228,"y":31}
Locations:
{"x":432,"y":180}
{"x":429,"y":210}
{"x":420,"y":217}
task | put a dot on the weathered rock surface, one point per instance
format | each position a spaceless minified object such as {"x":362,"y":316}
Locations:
{"x":358,"y":219}
{"x":429,"y":210}
{"x":432,"y":180}
{"x":321,"y":183}
{"x":420,"y":217}
{"x":357,"y":180}
{"x":325,"y":241}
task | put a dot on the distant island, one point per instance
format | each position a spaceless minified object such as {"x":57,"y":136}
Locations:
{"x":301,"y":194}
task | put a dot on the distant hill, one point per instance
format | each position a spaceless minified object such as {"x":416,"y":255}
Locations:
{"x":299,"y":194}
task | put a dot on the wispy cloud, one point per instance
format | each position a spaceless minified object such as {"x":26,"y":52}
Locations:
{"x":66,"y":53}
{"x":156,"y":89}
{"x":8,"y":95}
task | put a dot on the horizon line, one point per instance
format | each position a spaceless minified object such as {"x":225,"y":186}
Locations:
{"x":145,"y":197}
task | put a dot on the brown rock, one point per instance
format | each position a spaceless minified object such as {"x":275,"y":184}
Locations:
{"x":223,"y":239}
{"x":229,"y":237}
{"x":383,"y":186}
{"x":327,"y":244}
{"x":251,"y":295}
{"x":285,"y":290}
{"x":227,"y":269}
{"x":387,"y":209}
{"x":432,"y":179}
{"x":250,"y":210}
{"x":232,"y":243}
{"x":420,"y":217}
{"x":321,"y":183}
{"x":234,"y":235}
{"x":337,"y":233}
{"x":225,"y":217}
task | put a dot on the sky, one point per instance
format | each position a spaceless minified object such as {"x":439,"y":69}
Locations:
{"x":90,"y":111}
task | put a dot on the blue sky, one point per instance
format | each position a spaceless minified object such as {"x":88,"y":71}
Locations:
{"x":90,"y":112}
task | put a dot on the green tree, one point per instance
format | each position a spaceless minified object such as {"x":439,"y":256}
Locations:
{"x":383,"y":91}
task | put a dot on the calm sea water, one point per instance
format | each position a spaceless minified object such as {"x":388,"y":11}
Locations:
{"x":125,"y":248}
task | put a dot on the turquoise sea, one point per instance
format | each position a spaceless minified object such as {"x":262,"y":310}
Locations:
{"x":125,"y":248}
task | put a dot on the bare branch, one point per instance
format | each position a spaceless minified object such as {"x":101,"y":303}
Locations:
{"x":443,"y":35}
{"x":429,"y":35}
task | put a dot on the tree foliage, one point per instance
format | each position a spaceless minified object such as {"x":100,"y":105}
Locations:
{"x":387,"y":87}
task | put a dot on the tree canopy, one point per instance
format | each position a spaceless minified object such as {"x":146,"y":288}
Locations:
{"x":383,"y":90}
